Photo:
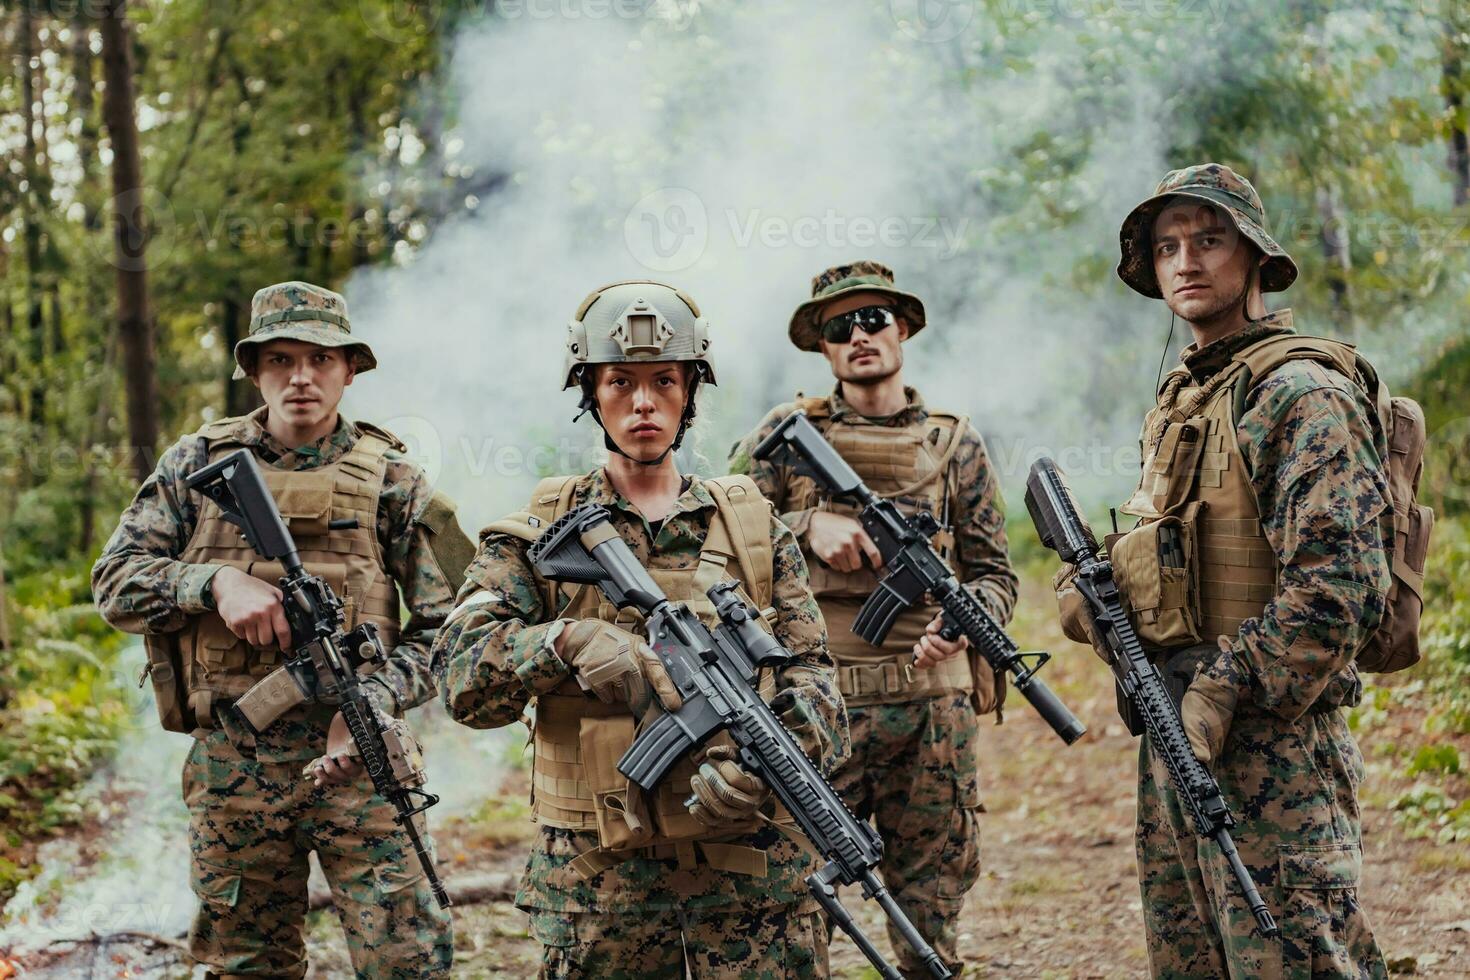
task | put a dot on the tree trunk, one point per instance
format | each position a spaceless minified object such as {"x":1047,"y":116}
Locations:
{"x":241,"y":397}
{"x":130,"y":239}
{"x":30,"y":216}
{"x":85,"y":107}
{"x":1452,"y":85}
{"x":4,"y":613}
{"x":1339,"y":260}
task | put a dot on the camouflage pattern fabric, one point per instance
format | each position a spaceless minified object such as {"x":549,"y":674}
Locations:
{"x":260,"y":816}
{"x":1290,"y":768}
{"x":140,"y":586}
{"x":913,"y":772}
{"x":491,"y":660}
{"x":758,"y":944}
{"x":304,"y":312}
{"x":1208,"y":183}
{"x":1293,"y":789}
{"x":251,"y":826}
{"x":864,"y":275}
{"x":982,"y":562}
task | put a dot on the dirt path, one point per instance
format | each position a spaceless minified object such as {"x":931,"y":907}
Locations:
{"x":1059,"y":896}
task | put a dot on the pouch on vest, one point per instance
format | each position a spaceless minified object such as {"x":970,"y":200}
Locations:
{"x":1154,"y":565}
{"x":1175,"y":465}
{"x":165,"y":670}
{"x":306,"y":509}
{"x":623,"y":821}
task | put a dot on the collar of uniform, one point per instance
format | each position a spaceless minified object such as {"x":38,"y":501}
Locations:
{"x":912,"y":412}
{"x":693,"y":498}
{"x":1202,"y":363}
{"x":323,"y":452}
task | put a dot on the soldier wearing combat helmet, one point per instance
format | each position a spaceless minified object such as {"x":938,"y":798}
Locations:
{"x":622,"y":882}
{"x":364,"y":518}
{"x":913,"y":702}
{"x":1266,"y":461}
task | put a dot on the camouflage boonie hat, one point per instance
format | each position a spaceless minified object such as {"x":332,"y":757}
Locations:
{"x":300,"y":311}
{"x":855,"y":277}
{"x":1214,"y":184}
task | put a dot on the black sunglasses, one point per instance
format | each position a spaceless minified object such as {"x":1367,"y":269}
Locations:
{"x":871,"y":319}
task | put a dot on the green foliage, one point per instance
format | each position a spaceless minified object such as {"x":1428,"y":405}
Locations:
{"x":1426,"y":811}
{"x":67,"y":709}
{"x":1443,"y":759}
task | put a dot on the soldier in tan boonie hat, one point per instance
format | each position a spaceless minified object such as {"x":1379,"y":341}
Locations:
{"x":299,"y":311}
{"x":1212,"y":183}
{"x":862,"y":276}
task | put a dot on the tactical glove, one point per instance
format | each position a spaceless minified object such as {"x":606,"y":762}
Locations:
{"x":617,"y":666}
{"x":724,"y":793}
{"x":1072,"y":610}
{"x":1208,"y":706}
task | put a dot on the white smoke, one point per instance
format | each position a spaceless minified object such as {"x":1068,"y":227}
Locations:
{"x":736,"y":152}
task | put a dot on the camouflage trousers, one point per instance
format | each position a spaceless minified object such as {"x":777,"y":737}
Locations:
{"x":756,"y":944}
{"x":913,"y":771}
{"x":1293,"y":788}
{"x":251,"y":827}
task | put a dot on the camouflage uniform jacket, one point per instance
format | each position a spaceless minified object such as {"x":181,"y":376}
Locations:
{"x":977,"y":511}
{"x":140,"y":586}
{"x":1317,"y":463}
{"x":491,"y":661}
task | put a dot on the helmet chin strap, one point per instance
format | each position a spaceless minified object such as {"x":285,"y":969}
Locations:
{"x":588,"y":404}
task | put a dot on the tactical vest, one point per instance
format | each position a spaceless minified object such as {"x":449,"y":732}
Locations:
{"x":909,"y":465}
{"x":577,"y":740}
{"x":320,"y":507}
{"x":1199,"y":565}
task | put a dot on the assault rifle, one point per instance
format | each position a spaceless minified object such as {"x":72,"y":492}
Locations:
{"x":322,"y":663}
{"x":1062,"y":529}
{"x":715,"y":672}
{"x":914,"y":569}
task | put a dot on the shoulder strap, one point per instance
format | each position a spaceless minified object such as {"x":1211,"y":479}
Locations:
{"x":366,"y":429}
{"x":221,"y":434}
{"x":551,"y":499}
{"x":814,"y":407}
{"x":743,"y":530}
{"x":1254,"y":363}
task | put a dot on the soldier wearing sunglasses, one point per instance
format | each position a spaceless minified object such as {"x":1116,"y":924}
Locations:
{"x":912,"y":703}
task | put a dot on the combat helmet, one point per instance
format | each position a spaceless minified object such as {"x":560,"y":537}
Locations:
{"x":637,"y":321}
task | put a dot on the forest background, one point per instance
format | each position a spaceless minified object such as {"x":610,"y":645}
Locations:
{"x":466,"y":171}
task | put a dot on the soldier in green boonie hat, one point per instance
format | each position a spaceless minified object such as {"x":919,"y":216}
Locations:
{"x":1210,"y":183}
{"x":913,"y":703}
{"x":299,"y":311}
{"x":1263,"y":458}
{"x":267,"y":783}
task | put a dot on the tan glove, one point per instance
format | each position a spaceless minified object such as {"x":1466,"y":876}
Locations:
{"x":617,"y":666}
{"x":1208,"y":706}
{"x":1072,"y":611}
{"x":724,"y":793}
